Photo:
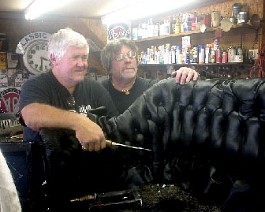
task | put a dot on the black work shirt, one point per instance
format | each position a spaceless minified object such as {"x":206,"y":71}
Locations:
{"x":123,"y":101}
{"x":45,"y":88}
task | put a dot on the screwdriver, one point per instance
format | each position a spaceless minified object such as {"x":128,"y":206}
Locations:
{"x":110,"y":143}
{"x":84,"y":198}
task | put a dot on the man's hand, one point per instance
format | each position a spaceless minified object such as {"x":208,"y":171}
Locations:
{"x":90,"y":135}
{"x":185,"y":75}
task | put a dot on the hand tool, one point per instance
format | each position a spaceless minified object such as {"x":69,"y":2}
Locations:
{"x":111,"y":143}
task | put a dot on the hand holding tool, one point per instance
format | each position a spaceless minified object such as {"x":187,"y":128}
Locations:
{"x":111,"y":143}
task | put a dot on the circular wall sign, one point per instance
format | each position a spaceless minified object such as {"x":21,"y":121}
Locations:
{"x":9,"y":100}
{"x":34,"y":48}
{"x":117,"y":31}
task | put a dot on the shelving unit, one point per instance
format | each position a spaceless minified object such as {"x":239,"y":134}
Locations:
{"x":242,"y":35}
{"x":207,"y":71}
{"x":243,"y":26}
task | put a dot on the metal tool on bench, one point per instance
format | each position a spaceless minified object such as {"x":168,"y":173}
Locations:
{"x":114,"y":199}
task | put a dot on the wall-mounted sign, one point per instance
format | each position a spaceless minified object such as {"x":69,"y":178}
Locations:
{"x":34,"y":48}
{"x":116,"y":31}
{"x":9,"y":100}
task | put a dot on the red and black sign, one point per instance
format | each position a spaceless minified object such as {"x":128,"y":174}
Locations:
{"x":9,"y":100}
{"x":116,"y":31}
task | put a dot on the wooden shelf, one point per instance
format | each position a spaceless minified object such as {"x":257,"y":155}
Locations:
{"x":242,"y":26}
{"x":193,"y":64}
{"x":207,"y":71}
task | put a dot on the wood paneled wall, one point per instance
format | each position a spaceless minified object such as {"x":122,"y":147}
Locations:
{"x":16,"y":27}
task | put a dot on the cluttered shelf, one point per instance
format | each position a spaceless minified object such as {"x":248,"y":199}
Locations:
{"x":201,"y":30}
{"x":208,"y":71}
{"x":194,"y":64}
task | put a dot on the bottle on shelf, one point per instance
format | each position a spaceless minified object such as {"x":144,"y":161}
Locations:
{"x":212,"y":55}
{"x":207,"y":53}
{"x":178,"y":55}
{"x":224,"y":57}
{"x":201,"y":54}
{"x":231,"y":54}
{"x":173,"y":55}
{"x":177,"y":25}
{"x":218,"y":55}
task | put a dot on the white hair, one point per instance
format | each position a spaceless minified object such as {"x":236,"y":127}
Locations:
{"x":9,"y":200}
{"x":64,"y":38}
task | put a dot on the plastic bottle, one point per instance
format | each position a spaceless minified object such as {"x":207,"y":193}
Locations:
{"x":207,"y":53}
{"x":231,"y":54}
{"x":224,"y":57}
{"x":173,"y":55}
{"x":218,"y":55}
{"x":201,"y":54}
{"x":177,"y":55}
{"x":212,"y":55}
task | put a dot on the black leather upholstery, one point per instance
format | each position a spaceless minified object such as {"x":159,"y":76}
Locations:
{"x":207,"y":136}
{"x":221,"y":116}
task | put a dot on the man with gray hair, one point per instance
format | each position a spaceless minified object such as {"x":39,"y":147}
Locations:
{"x":51,"y":99}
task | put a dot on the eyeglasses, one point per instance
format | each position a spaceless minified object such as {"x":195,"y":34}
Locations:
{"x":121,"y":56}
{"x":71,"y":102}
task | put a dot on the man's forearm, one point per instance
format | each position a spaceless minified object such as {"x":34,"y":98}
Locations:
{"x":37,"y":116}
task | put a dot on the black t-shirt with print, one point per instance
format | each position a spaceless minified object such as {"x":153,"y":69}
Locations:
{"x":45,"y":88}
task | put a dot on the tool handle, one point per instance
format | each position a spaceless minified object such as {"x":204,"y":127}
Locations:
{"x":109,"y":143}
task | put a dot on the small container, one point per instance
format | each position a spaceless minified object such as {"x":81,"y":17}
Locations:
{"x":207,"y":53}
{"x":224,"y":57}
{"x":201,"y":54}
{"x":236,"y":9}
{"x":216,"y":18}
{"x":206,"y":20}
{"x":180,"y":58}
{"x":231,"y":54}
{"x":178,"y":61}
{"x":212,"y":56}
{"x":218,"y":55}
{"x":242,"y":17}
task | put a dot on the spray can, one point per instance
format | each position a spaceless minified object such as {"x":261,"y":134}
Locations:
{"x":224,"y":57}
{"x":218,"y":55}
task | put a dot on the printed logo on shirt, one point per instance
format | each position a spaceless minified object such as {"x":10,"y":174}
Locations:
{"x":84,"y":109}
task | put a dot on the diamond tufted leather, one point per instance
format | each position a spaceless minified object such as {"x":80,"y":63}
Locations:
{"x":206,"y":136}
